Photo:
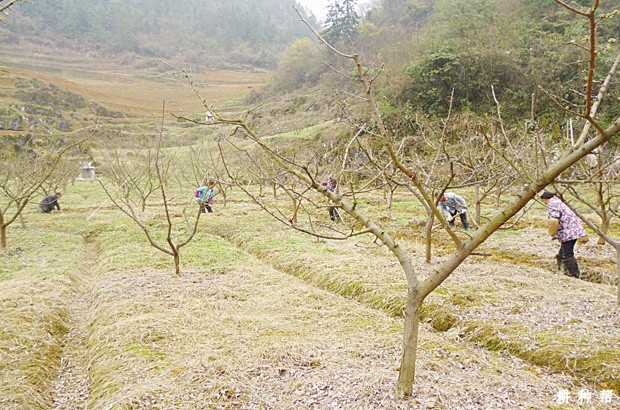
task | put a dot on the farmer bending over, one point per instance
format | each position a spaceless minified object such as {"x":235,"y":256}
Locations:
{"x":204,"y":196}
{"x":332,"y":185}
{"x":452,"y":205}
{"x":50,"y":202}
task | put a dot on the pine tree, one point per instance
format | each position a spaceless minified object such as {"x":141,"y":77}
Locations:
{"x":341,"y":22}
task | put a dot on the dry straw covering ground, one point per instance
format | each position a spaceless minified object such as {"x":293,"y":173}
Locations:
{"x":266,"y":318}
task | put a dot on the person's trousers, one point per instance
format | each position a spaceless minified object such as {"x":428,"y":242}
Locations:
{"x":463,"y":219}
{"x":333,"y":213}
{"x":567,"y":249}
{"x":566,"y":255}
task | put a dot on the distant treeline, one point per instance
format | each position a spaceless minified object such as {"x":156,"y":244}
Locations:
{"x":442,"y":54}
{"x":210,"y":32}
{"x":438,"y":54}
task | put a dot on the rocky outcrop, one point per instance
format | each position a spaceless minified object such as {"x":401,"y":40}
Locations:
{"x":52,"y":98}
{"x":63,"y":125}
{"x":11,"y":121}
{"x":41,"y":108}
{"x":101,"y":111}
{"x":45,"y":108}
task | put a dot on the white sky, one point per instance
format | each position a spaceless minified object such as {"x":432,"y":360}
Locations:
{"x":317,"y":7}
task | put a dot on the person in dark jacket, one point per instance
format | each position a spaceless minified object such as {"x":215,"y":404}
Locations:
{"x":50,"y":202}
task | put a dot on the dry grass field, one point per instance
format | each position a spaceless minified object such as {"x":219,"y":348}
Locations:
{"x":263,"y":317}
{"x":138,"y":92}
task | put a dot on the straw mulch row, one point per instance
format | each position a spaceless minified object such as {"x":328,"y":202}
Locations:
{"x":237,"y":333}
{"x":35,"y":289}
{"x":564,"y":325}
{"x":100,"y":322}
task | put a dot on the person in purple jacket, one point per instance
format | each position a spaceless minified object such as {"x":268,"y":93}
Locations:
{"x":332,"y":185}
{"x":50,"y":202}
{"x":564,"y":226}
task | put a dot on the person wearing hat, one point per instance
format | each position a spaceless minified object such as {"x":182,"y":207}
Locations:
{"x":452,"y":205}
{"x":564,"y":226}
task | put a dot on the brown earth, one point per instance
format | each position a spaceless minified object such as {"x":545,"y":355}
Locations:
{"x":135,"y":90}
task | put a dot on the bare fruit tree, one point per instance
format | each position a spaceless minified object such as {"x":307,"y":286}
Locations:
{"x":601,"y":177}
{"x":602,"y":173}
{"x":380,"y":147}
{"x":136,"y":176}
{"x":205,"y":165}
{"x":5,"y":5}
{"x":129,"y":197}
{"x":419,"y":289}
{"x":23,"y":174}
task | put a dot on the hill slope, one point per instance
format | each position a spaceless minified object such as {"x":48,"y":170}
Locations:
{"x":214,"y":33}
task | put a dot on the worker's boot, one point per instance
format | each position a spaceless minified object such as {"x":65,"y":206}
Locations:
{"x":559,"y":259}
{"x":572,"y":267}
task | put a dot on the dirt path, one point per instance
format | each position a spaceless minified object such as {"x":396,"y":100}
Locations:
{"x":71,"y":389}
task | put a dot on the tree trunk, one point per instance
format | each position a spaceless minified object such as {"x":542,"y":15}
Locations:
{"x":295,"y":209}
{"x":477,"y":199}
{"x":3,"y":237}
{"x":177,"y":262}
{"x":404,"y":387}
{"x":618,"y":269}
{"x":430,"y":219}
{"x":223,"y":192}
{"x":604,"y":229}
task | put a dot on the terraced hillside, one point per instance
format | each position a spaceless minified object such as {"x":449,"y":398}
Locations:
{"x":134,"y":87}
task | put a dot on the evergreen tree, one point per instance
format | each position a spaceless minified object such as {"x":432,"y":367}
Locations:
{"x":341,"y":22}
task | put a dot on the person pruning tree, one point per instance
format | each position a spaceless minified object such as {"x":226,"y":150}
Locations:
{"x":564,"y":226}
{"x":452,"y":205}
{"x":204,"y":196}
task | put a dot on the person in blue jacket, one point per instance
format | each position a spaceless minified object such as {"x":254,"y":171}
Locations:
{"x":204,"y":196}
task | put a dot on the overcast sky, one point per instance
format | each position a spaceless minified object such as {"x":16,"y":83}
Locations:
{"x":317,"y":7}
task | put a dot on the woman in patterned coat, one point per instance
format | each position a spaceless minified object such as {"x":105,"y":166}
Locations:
{"x":566,"y":227}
